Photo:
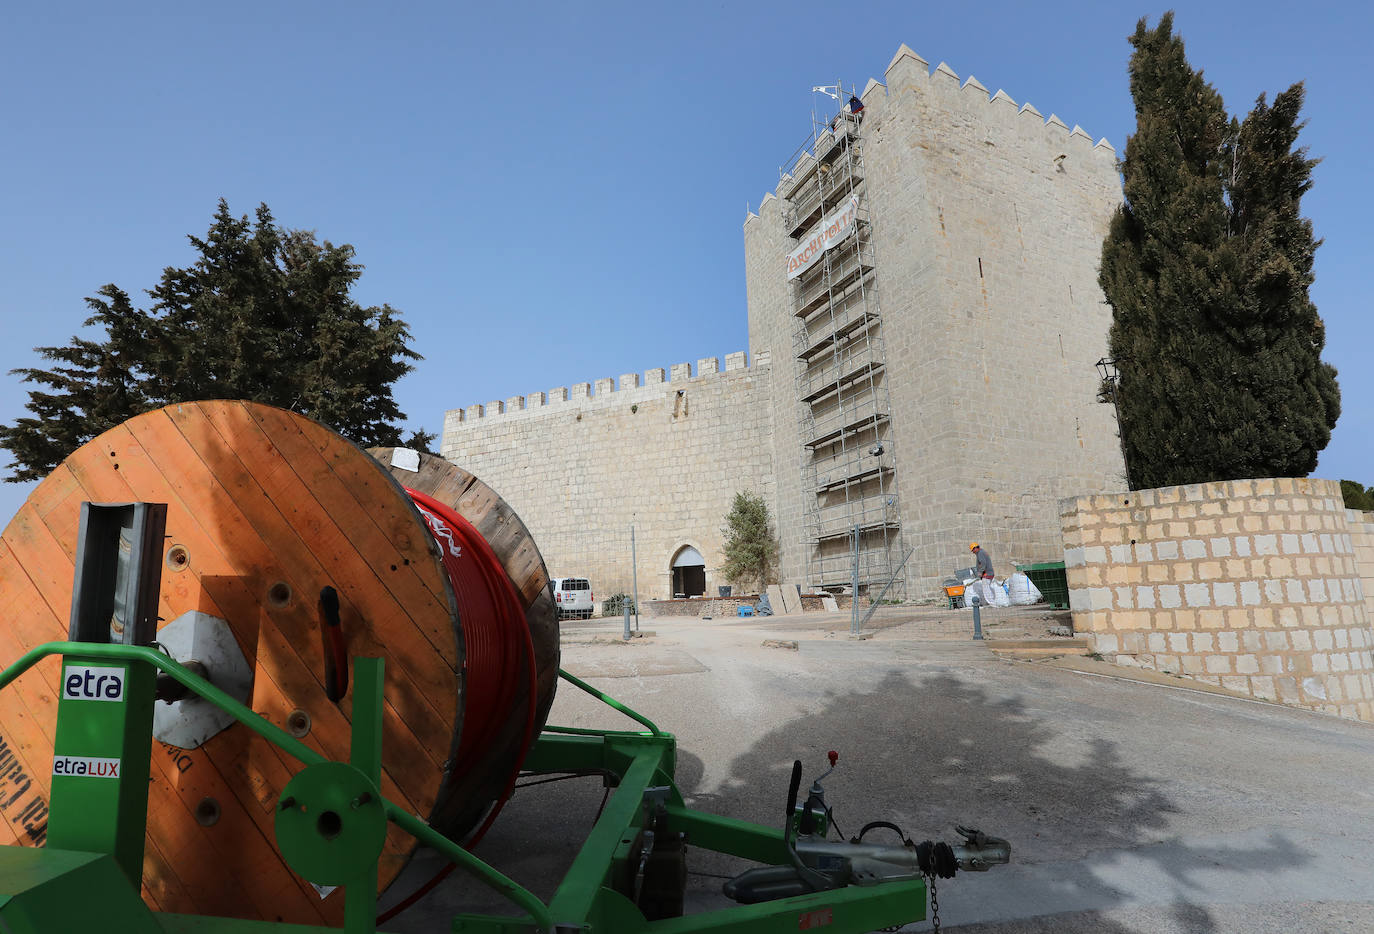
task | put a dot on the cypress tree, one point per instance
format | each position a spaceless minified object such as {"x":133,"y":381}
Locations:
{"x":1206,"y":266}
{"x":1357,"y":496}
{"x":263,"y":314}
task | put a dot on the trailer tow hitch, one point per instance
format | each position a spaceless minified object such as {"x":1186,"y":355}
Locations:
{"x":816,"y":863}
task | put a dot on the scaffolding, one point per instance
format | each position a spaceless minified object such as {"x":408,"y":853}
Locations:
{"x":848,"y":455}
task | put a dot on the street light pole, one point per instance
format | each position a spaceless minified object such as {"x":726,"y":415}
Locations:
{"x":634,"y":570}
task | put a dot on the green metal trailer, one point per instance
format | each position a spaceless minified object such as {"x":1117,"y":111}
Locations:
{"x":331,"y":819}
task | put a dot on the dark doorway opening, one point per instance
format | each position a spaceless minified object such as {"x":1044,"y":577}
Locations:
{"x":689,"y":573}
{"x":689,"y":580}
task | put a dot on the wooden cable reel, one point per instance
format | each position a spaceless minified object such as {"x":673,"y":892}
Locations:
{"x":266,"y":509}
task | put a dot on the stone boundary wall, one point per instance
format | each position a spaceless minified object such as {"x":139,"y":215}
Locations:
{"x":719,"y":607}
{"x":728,"y":607}
{"x":1257,"y":586}
{"x":1362,"y":536}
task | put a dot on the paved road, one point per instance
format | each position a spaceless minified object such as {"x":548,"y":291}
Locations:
{"x":1130,"y":807}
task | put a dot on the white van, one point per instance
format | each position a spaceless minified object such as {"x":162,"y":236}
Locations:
{"x":574,"y":598}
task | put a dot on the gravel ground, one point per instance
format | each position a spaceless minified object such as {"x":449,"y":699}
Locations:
{"x":1131,"y":807}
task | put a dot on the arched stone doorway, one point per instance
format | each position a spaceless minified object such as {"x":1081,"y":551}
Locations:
{"x":689,"y":572}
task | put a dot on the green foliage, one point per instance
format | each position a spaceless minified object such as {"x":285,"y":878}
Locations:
{"x":615,"y":605}
{"x":1207,"y":267}
{"x":1356,"y":496}
{"x":263,"y":314}
{"x":751,"y":547}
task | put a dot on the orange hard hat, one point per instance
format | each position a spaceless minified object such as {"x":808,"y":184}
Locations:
{"x":973,"y":546}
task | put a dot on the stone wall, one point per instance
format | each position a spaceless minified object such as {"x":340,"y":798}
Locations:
{"x":666,"y":454}
{"x":770,"y":332}
{"x":696,"y":608}
{"x":1362,"y":537}
{"x":1258,"y":586}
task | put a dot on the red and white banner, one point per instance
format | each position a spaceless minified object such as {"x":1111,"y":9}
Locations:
{"x":831,"y":231}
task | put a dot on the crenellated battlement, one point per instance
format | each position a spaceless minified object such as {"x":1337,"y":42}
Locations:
{"x":630,"y":387}
{"x":909,"y":71}
{"x":959,"y":98}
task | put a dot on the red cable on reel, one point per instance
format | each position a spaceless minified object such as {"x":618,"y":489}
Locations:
{"x":496,"y":639}
{"x":496,"y":636}
{"x":497,"y":645}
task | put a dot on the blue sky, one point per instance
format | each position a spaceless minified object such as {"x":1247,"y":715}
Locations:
{"x":554,"y":193}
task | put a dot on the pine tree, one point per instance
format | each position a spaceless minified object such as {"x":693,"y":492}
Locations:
{"x":263,"y":314}
{"x":1207,"y":266}
{"x":751,"y":548}
{"x":94,"y":387}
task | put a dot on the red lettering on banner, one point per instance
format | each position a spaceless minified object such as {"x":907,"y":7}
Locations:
{"x":832,"y":230}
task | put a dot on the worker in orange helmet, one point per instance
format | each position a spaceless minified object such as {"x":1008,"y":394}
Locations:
{"x":984,"y":561}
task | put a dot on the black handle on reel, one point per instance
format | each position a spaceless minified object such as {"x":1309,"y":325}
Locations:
{"x":792,"y":790}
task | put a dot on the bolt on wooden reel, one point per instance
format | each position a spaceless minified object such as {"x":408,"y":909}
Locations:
{"x":288,"y":551}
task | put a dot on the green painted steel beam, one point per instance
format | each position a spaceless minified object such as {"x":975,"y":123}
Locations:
{"x":609,"y":701}
{"x":99,"y":797}
{"x":602,"y":751}
{"x":621,"y":820}
{"x":579,"y":753}
{"x":484,"y":873}
{"x":730,"y":836}
{"x":365,"y":755}
{"x":44,"y":890}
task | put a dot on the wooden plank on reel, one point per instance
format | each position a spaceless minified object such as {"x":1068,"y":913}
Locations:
{"x":265,"y":509}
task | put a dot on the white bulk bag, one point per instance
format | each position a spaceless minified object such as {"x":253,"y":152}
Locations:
{"x":1022,"y":591}
{"x":999,"y":594}
{"x":987,"y":593}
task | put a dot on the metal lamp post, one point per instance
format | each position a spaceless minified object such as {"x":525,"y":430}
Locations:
{"x":1107,"y":369}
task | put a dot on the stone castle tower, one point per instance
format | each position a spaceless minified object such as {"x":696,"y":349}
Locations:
{"x":925,"y":375}
{"x":943,"y":352}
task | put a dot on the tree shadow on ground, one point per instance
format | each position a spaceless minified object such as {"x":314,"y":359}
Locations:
{"x":927,"y":753}
{"x":931,"y":752}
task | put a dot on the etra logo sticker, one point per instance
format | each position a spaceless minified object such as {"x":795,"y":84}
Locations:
{"x":81,"y":682}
